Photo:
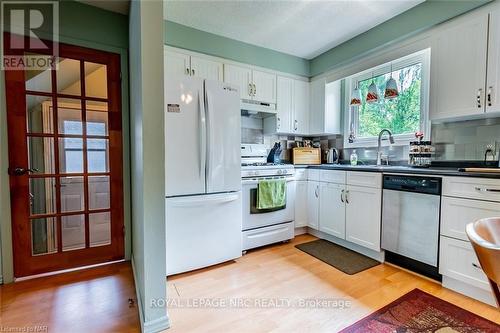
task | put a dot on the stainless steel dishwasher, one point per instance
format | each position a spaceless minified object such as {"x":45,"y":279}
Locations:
{"x":410,"y":222}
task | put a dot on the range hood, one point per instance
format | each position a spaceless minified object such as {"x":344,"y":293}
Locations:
{"x":257,"y":109}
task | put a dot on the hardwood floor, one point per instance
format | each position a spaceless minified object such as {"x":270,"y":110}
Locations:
{"x":282,"y":271}
{"x":96,"y":300}
{"x":92,"y":300}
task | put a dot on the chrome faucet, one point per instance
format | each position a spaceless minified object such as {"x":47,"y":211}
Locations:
{"x":379,"y":153}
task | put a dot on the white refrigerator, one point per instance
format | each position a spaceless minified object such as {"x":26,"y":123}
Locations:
{"x":203,"y":175}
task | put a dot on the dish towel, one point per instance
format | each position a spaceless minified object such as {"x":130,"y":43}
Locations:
{"x":271,"y":193}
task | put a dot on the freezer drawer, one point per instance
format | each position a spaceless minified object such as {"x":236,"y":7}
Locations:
{"x":202,"y":231}
{"x":267,"y":235}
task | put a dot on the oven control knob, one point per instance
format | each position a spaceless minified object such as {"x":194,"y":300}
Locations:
{"x":255,"y":173}
{"x":279,"y":172}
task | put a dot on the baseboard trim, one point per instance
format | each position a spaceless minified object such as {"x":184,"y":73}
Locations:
{"x":468,"y":290}
{"x":379,"y":256}
{"x":300,"y":231}
{"x":1,"y":279}
{"x":152,"y":326}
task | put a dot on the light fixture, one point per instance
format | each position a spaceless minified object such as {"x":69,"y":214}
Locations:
{"x":391,"y":88}
{"x":355,"y":96}
{"x":372,"y":95}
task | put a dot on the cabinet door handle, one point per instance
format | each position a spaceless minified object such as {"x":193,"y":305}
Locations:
{"x":342,"y":196}
{"x":192,"y":72}
{"x":488,"y":98}
{"x":316,"y":191}
{"x":347,"y":196}
{"x":295,"y":126}
{"x":187,"y":71}
{"x":254,"y":89}
{"x":476,"y":266}
{"x":278,"y":125}
{"x":479,"y":93}
{"x":494,"y":190}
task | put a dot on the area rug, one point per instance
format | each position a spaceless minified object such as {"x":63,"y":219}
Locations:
{"x":418,"y":311}
{"x":343,"y":259}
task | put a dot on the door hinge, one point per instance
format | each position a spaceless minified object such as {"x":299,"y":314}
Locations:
{"x":123,"y":230}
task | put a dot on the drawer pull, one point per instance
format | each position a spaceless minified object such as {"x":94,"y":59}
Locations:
{"x":494,"y":190}
{"x":476,"y":266}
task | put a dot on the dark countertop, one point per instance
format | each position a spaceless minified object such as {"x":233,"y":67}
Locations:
{"x":437,"y":171}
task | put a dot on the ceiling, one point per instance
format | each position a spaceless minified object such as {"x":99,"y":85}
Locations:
{"x":304,"y":28}
{"x":118,"y":6}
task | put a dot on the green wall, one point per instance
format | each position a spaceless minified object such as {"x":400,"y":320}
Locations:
{"x":148,"y":161}
{"x":414,"y":20}
{"x":179,"y":35}
{"x":85,"y":26}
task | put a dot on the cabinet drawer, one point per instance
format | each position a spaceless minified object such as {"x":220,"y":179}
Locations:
{"x":332,"y":176}
{"x":472,"y":188}
{"x":313,"y":174}
{"x":456,"y":213}
{"x":367,"y":179}
{"x":267,"y":235}
{"x":458,"y":260}
{"x":300,"y":174}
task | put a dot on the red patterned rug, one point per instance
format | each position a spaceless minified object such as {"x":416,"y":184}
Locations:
{"x":420,"y":312}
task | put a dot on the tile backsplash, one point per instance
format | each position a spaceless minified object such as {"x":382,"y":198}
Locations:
{"x":461,"y":140}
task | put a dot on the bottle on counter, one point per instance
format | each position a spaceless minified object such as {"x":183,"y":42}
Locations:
{"x":354,"y":158}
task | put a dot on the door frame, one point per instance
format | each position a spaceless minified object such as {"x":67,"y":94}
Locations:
{"x":15,"y":84}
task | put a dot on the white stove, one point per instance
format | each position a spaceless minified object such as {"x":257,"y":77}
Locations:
{"x":254,"y":163}
{"x":266,"y":226}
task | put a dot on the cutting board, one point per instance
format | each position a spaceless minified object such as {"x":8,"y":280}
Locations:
{"x":485,"y":170}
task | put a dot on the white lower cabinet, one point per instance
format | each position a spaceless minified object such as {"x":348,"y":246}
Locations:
{"x":458,"y":261}
{"x":363,"y":216}
{"x":313,"y":204}
{"x":301,"y":203}
{"x":332,"y":209}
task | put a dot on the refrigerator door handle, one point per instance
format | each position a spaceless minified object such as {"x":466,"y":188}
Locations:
{"x":208,"y":163}
{"x":206,"y":200}
{"x":203,"y":135}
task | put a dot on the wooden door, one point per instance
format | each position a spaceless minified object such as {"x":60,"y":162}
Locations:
{"x":206,"y":69}
{"x":332,"y":209}
{"x":65,"y":162}
{"x":363,"y":216}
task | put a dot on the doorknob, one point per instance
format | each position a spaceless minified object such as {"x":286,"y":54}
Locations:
{"x":18,"y":171}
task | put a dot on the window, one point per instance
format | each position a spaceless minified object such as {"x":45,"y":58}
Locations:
{"x":403,"y":115}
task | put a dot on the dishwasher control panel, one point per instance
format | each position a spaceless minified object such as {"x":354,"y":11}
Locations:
{"x":428,"y":185}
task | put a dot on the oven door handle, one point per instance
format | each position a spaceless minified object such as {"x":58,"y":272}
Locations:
{"x":256,"y":181}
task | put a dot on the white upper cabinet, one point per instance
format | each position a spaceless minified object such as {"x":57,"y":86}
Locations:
{"x":241,"y":77}
{"x":300,"y":123}
{"x":206,"y":69}
{"x":284,"y":105}
{"x":493,"y":74}
{"x":458,"y":74}
{"x":292,"y":104}
{"x":177,"y":64}
{"x":254,"y":85}
{"x":325,"y":107}
{"x":264,"y":85}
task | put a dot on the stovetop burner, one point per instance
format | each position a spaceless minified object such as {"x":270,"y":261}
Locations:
{"x":261,"y":164}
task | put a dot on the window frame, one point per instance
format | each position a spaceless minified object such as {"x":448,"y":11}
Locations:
{"x":422,"y":57}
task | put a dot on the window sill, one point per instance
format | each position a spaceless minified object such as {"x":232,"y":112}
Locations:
{"x":373,"y":142}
